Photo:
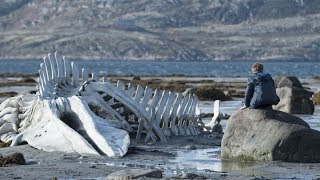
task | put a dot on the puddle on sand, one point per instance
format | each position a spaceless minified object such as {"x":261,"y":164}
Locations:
{"x":200,"y":161}
{"x":208,"y":160}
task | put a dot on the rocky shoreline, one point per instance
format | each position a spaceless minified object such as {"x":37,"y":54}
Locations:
{"x":155,"y":157}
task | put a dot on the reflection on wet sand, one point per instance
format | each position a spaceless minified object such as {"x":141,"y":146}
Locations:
{"x":238,"y":166}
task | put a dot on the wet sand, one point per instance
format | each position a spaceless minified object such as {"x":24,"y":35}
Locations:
{"x":182,"y":157}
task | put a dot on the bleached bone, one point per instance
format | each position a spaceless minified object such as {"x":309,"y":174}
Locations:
{"x":173,"y":115}
{"x":57,"y":118}
{"x":216,"y":115}
{"x":166,"y":111}
{"x":165,"y":116}
{"x":74,"y":113}
{"x":122,"y":97}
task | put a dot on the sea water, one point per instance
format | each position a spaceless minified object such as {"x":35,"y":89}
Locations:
{"x":173,"y":68}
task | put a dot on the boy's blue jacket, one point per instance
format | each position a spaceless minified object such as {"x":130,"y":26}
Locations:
{"x":260,"y":91}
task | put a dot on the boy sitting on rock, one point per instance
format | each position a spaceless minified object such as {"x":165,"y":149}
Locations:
{"x":260,"y":91}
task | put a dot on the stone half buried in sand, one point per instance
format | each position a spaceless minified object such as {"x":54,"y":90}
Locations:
{"x":254,"y":134}
{"x":12,"y":160}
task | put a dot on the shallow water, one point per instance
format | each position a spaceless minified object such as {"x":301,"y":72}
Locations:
{"x":312,"y":120}
{"x":208,"y":161}
{"x":186,"y":161}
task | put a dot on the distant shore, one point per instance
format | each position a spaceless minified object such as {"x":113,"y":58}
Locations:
{"x":12,"y":84}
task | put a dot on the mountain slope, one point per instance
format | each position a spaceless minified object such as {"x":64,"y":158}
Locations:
{"x":166,"y":29}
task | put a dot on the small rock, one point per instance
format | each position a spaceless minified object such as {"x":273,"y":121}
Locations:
{"x":12,"y":160}
{"x":217,"y":129}
{"x":82,"y":157}
{"x":28,"y":80}
{"x":223,"y":174}
{"x":184,"y":175}
{"x":135,"y":174}
{"x":29,"y":162}
{"x":136,"y":78}
{"x":70,"y":156}
{"x":191,"y":147}
{"x":259,"y":178}
{"x":3,"y":144}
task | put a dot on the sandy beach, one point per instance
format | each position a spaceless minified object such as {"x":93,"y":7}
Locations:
{"x":185,"y":157}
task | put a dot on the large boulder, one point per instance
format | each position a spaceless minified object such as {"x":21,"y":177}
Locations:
{"x":294,"y":99}
{"x":256,"y":134}
{"x":287,"y":81}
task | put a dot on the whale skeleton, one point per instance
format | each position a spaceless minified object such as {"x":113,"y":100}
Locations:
{"x":74,"y":111}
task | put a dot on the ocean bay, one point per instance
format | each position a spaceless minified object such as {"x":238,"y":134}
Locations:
{"x":174,"y":68}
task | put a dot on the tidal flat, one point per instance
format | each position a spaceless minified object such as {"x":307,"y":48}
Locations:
{"x":185,"y":157}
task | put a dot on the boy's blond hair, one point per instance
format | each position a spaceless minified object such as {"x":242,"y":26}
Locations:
{"x":257,"y":67}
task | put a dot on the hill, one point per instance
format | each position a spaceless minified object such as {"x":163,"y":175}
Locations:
{"x":162,"y":29}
